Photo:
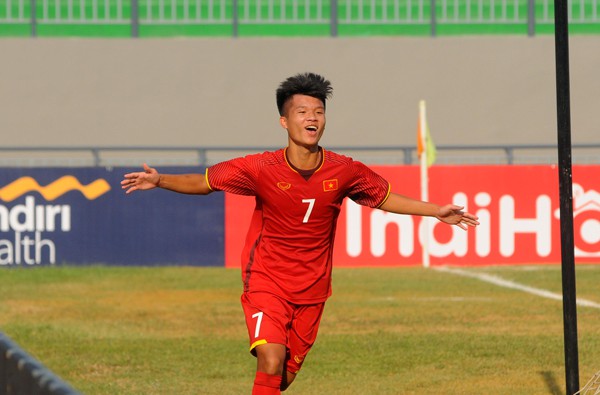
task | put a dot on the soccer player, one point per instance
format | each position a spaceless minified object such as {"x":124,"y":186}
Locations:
{"x":287,"y":258}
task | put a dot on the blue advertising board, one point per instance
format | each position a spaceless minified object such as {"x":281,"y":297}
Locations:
{"x":79,"y":216}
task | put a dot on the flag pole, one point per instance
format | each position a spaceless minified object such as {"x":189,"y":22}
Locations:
{"x":561,"y":39}
{"x":422,"y":143}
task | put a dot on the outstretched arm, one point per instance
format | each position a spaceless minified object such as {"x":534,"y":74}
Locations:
{"x":150,"y":179}
{"x":450,"y":213}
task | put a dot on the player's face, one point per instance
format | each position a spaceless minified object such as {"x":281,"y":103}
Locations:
{"x":304,"y":120}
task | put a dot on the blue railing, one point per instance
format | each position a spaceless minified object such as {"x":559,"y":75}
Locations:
{"x":80,"y":156}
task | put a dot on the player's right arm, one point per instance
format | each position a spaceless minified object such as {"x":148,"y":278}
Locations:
{"x":150,"y":178}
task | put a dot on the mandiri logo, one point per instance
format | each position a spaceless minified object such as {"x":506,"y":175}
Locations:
{"x":53,"y":190}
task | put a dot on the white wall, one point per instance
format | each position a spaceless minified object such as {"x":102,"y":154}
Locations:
{"x":221,"y":91}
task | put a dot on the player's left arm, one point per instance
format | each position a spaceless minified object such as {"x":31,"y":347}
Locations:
{"x":450,"y":213}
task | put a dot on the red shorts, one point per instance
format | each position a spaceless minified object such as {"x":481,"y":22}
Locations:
{"x":271,"y":319}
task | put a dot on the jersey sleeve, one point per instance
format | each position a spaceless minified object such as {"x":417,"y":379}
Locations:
{"x":369,"y":188}
{"x":236,"y":176}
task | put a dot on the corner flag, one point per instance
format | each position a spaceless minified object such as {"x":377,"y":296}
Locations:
{"x":426,"y":152}
{"x":424,"y":142}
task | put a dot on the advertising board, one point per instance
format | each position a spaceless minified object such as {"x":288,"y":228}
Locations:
{"x":81,"y":216}
{"x":518,"y":208}
{"x":54,"y":216}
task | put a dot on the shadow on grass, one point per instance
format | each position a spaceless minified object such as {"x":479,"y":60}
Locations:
{"x":551,"y":384}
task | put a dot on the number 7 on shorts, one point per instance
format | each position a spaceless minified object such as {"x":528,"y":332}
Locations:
{"x":258,"y":317}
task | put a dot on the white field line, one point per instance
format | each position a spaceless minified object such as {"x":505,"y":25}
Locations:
{"x":512,"y":285}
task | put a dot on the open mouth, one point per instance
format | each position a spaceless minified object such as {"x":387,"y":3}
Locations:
{"x":311,"y":128}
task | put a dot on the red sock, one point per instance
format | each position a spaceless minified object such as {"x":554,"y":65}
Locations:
{"x":266,"y":384}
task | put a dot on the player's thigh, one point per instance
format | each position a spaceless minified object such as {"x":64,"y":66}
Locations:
{"x":267,"y":318}
{"x":303,"y":333}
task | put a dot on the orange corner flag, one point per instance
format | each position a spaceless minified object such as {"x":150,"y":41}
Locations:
{"x":424,"y":140}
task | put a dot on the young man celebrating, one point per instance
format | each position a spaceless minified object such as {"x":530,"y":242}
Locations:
{"x":287,"y":258}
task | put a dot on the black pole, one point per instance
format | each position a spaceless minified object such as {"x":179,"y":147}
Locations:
{"x":561,"y":25}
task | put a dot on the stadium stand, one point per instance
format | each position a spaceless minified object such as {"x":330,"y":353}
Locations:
{"x":22,"y":374}
{"x":288,"y":18}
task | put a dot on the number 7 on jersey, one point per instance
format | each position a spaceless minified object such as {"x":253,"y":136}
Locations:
{"x":311,"y":204}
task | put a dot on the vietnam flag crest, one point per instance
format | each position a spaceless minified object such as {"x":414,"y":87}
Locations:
{"x":330,"y":185}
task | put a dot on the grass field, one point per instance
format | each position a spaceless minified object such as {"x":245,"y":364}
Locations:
{"x":179,"y":330}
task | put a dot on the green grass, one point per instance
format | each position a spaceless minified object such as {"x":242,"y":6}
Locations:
{"x":173,"y":330}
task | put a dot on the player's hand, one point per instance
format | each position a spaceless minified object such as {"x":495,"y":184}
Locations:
{"x":141,"y":181}
{"x":454,"y":215}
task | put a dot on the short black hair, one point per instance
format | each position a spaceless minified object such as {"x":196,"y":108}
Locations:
{"x":309,"y":84}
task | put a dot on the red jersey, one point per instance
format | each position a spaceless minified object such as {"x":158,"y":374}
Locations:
{"x":289,"y":245}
